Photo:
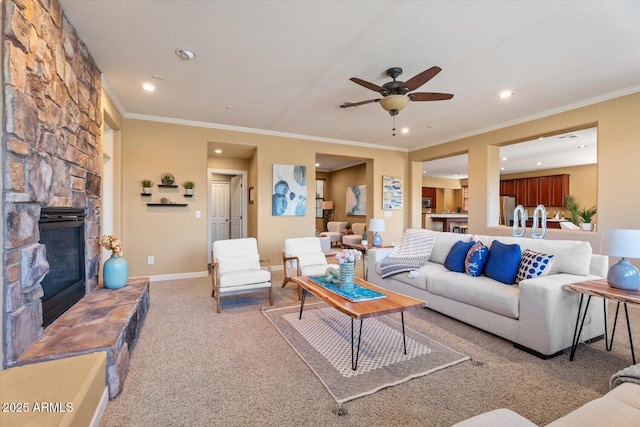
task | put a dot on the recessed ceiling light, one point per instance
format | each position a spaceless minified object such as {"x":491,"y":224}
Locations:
{"x":582,"y":146}
{"x":405,"y":130}
{"x":185,"y":54}
{"x":424,"y":171}
{"x":317,"y":164}
{"x":504,"y":159}
{"x":148,"y":87}
{"x":505,"y":94}
{"x":501,"y":169}
{"x":538,"y":163}
{"x":217,"y":151}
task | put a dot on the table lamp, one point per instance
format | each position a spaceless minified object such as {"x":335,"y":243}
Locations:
{"x":326,"y":207}
{"x":376,"y":225}
{"x":624,"y":244}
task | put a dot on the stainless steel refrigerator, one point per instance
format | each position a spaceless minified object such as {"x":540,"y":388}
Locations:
{"x":507,"y":205}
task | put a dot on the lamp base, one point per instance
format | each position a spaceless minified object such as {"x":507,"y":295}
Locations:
{"x":624,"y":276}
{"x":377,"y":240}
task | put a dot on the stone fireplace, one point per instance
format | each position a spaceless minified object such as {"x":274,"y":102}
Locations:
{"x":51,"y":156}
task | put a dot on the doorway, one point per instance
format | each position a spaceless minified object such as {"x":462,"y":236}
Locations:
{"x":227,"y":207}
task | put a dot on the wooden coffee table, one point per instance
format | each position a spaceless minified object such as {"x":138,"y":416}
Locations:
{"x":392,"y":303}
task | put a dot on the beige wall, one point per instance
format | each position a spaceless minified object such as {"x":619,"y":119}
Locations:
{"x":178,"y":240}
{"x":339,"y":181}
{"x":618,"y":194}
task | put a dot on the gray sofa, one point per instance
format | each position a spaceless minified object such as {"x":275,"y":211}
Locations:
{"x":538,"y":315}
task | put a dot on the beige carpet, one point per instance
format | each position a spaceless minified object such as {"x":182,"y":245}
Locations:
{"x":193,"y":367}
{"x":322,"y":338}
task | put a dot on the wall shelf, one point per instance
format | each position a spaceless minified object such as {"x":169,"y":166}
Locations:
{"x":145,"y":194}
{"x":168,"y":185}
{"x":167,"y":204}
{"x":188,"y":195}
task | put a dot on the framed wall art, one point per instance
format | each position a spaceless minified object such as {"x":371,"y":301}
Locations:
{"x":357,"y":200}
{"x":391,"y":192}
{"x":289,"y":197}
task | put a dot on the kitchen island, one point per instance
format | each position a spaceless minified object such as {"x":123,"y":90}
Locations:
{"x":443,"y":221}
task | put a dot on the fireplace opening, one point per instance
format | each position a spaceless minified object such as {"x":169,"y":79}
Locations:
{"x":62,"y":233}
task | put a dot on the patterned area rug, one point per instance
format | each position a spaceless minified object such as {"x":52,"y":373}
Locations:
{"x":322,"y":338}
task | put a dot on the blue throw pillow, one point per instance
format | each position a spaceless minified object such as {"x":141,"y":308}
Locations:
{"x":533,"y":264}
{"x":476,"y":259}
{"x":503,"y":262}
{"x":457,"y":255}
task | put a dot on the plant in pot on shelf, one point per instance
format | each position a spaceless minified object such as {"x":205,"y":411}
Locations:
{"x":188,"y":187}
{"x":586,"y":215}
{"x":146,"y":186}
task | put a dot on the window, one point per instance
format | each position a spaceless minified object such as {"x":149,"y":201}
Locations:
{"x":319,"y":197}
{"x":465,"y":198}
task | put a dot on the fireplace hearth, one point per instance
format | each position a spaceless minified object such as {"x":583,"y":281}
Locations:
{"x":62,"y":233}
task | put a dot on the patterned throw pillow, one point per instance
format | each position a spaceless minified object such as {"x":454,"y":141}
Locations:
{"x":457,"y":256}
{"x":533,"y":264}
{"x":476,"y":259}
{"x":503,"y":262}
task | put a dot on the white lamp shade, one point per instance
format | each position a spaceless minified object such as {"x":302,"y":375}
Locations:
{"x":621,"y":243}
{"x":327,"y":206}
{"x":376,"y":224}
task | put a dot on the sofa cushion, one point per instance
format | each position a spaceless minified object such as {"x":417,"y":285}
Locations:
{"x":571,"y":256}
{"x":418,"y":279}
{"x":443,"y":243}
{"x":456,"y":258}
{"x":503,"y":262}
{"x":533,"y":264}
{"x":476,"y":259}
{"x":481,"y":292}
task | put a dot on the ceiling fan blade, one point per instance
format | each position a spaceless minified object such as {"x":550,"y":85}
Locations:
{"x":371,"y":86}
{"x":418,"y":80}
{"x":348,"y":104}
{"x":429,"y":96}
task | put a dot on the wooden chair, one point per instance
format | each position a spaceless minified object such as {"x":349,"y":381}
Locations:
{"x":237,"y":269}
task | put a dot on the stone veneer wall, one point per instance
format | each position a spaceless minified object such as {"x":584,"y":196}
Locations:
{"x":52,"y":154}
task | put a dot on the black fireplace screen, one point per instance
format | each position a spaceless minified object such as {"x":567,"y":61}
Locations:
{"x":62,"y":233}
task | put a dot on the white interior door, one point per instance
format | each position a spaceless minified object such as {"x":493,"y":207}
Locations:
{"x":236,"y":207}
{"x":219,"y":211}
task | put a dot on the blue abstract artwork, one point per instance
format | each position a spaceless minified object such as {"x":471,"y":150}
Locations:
{"x":391,"y":192}
{"x":357,"y":200}
{"x":289,"y":196}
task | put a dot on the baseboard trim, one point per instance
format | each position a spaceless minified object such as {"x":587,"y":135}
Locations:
{"x":178,"y":276}
{"x":102,"y":406}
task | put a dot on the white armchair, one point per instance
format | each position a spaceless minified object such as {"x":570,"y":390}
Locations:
{"x":335,"y":230}
{"x":302,"y":256}
{"x":236,"y":269}
{"x":357,"y":228}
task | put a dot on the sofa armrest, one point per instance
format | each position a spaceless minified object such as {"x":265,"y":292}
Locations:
{"x":373,"y":257}
{"x":548,"y":313}
{"x":599,"y":265}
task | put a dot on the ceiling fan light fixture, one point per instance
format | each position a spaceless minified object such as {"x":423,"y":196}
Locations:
{"x":394,"y":103}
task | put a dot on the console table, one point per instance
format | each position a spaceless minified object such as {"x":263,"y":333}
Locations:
{"x":600,"y":288}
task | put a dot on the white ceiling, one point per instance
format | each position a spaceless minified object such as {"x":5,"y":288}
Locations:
{"x":284,"y":66}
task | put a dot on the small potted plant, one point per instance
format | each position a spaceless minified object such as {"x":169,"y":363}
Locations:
{"x":586,"y":215}
{"x":146,"y":186}
{"x":188,"y":187}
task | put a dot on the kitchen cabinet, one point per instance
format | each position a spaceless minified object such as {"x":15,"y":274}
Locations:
{"x":430,"y":192}
{"x":548,"y":190}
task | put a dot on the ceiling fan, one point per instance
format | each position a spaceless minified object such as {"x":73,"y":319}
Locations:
{"x":395,"y":94}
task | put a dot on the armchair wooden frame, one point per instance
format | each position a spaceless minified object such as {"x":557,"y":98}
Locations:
{"x":215,"y":286}
{"x":288,"y":278}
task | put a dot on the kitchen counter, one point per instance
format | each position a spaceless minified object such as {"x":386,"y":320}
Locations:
{"x":443,"y":221}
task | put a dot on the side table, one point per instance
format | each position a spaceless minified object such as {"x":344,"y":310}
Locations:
{"x":600,"y":288}
{"x":364,"y":249}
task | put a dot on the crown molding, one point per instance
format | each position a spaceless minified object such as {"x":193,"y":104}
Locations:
{"x":563,"y":109}
{"x":106,"y":86}
{"x":208,"y":125}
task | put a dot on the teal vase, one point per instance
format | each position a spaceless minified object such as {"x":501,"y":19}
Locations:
{"x":347,"y":275}
{"x":115,"y":272}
